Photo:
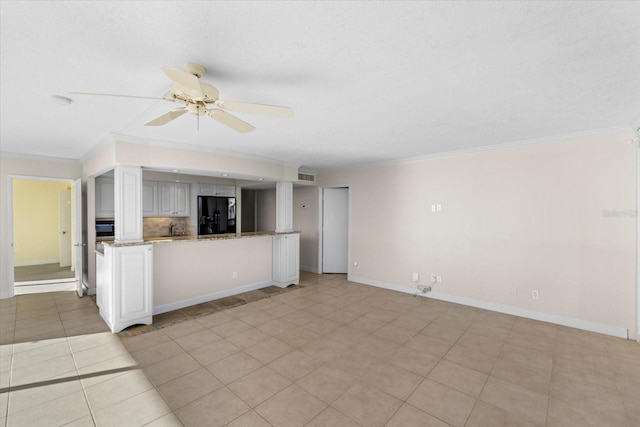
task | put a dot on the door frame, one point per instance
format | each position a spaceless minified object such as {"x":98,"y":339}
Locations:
{"x":9,"y":222}
{"x":321,"y":222}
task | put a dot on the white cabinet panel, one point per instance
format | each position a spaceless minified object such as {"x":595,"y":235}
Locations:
{"x":124,"y":286}
{"x":104,"y":195}
{"x":182,"y":201}
{"x":286,"y":259}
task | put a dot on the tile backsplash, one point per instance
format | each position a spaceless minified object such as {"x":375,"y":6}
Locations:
{"x":160,"y":227}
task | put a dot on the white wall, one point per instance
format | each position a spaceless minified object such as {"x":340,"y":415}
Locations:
{"x":555,"y":217}
{"x":23,"y":167}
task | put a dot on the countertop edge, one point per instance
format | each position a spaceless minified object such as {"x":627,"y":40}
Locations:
{"x":196,"y":239}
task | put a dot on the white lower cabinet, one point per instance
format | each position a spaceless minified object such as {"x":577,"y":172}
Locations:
{"x":286,"y":259}
{"x":124,"y":285}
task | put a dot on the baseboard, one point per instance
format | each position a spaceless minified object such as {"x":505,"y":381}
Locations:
{"x":39,"y":262}
{"x":309,"y":269}
{"x":506,"y":309}
{"x":159,"y":309}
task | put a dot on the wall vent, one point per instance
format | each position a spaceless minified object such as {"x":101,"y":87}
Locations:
{"x":306,"y":177}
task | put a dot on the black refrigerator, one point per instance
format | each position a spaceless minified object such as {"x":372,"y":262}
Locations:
{"x":216,"y":215}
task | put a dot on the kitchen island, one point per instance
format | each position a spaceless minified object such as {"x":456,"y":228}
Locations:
{"x":138,"y":279}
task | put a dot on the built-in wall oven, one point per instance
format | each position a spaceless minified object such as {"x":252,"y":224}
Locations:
{"x":105,"y":228}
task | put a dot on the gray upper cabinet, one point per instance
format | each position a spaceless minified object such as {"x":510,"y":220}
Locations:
{"x":105,"y":202}
{"x":173,"y":199}
{"x":149,"y":198}
{"x":216,"y":190}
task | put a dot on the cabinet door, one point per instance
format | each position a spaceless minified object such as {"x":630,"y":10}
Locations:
{"x":182,"y":200}
{"x":149,"y":198}
{"x":133,"y":300}
{"x":166,"y":198}
{"x":291,"y":257}
{"x":225,"y":190}
{"x":105,"y":206}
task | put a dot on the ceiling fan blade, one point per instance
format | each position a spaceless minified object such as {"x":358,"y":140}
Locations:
{"x":232,"y":121}
{"x":189,"y":83}
{"x":166,"y":117}
{"x":245,"y":107}
{"x":121,"y":96}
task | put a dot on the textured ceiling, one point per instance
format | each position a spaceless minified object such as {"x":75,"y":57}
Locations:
{"x":368,"y":81}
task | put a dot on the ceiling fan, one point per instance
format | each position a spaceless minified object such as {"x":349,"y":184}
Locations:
{"x":199,"y":98}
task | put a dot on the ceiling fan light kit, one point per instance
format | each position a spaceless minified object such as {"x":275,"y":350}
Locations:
{"x":201,"y":99}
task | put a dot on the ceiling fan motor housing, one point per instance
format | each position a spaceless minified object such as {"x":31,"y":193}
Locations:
{"x":195,"y":69}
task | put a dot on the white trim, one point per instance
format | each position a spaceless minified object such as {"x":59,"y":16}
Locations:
{"x":586,"y":325}
{"x":638,"y":235}
{"x":39,"y":262}
{"x":159,"y":309}
{"x":40,"y":158}
{"x":43,"y":282}
{"x":494,"y":147}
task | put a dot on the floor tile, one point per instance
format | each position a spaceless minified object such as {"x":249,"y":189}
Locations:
{"x":197,"y":339}
{"x":327,"y":383}
{"x":259,"y":385}
{"x":189,"y":387}
{"x":217,"y":408}
{"x":170,"y":369}
{"x":527,"y":404}
{"x":484,"y":415}
{"x":295,"y":364}
{"x":248,"y":338}
{"x":367,"y":406}
{"x":407,"y":415}
{"x":249,"y":419}
{"x":60,"y":411}
{"x":393,"y":380}
{"x":135,"y":411}
{"x":442,"y":402}
{"x":291,"y":407}
{"x":330,"y":417}
{"x":269,"y":350}
{"x":233,"y":367}
{"x":118,"y":389}
{"x":214,"y":351}
{"x":459,"y":378}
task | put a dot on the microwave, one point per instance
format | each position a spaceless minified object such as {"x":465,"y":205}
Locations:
{"x":105,"y":228}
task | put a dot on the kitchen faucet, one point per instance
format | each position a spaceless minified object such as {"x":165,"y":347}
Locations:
{"x":171,"y":226}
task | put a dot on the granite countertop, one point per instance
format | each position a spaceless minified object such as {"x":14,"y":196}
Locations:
{"x":176,"y":239}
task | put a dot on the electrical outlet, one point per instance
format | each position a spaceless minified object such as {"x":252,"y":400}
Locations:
{"x":415,"y":278}
{"x":433,"y":278}
{"x":535,"y":294}
{"x":439,"y":279}
{"x":438,"y":207}
{"x":356,"y":264}
{"x":433,"y":208}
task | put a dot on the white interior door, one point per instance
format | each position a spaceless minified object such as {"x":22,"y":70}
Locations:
{"x":335,"y":230}
{"x":64,"y":230}
{"x":78,"y":247}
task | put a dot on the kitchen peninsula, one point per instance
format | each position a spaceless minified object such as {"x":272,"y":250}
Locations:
{"x":137,"y":277}
{"x":176,"y":272}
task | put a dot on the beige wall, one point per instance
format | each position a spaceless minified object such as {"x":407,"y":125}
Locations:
{"x":555,"y":217}
{"x":36,"y":221}
{"x":181,"y":263}
{"x":266,"y":210}
{"x":23,"y":167}
{"x":305,"y":220}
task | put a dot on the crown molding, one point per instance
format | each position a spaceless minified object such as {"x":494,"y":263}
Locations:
{"x":494,"y":147}
{"x":66,"y":160}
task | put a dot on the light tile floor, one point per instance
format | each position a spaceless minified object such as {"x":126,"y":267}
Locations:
{"x":332,"y":353}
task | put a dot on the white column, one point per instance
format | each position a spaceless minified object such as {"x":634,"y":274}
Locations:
{"x":284,"y":206}
{"x":128,"y":203}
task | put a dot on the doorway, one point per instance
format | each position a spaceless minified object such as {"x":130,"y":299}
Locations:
{"x":335,"y":230}
{"x":43,"y":235}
